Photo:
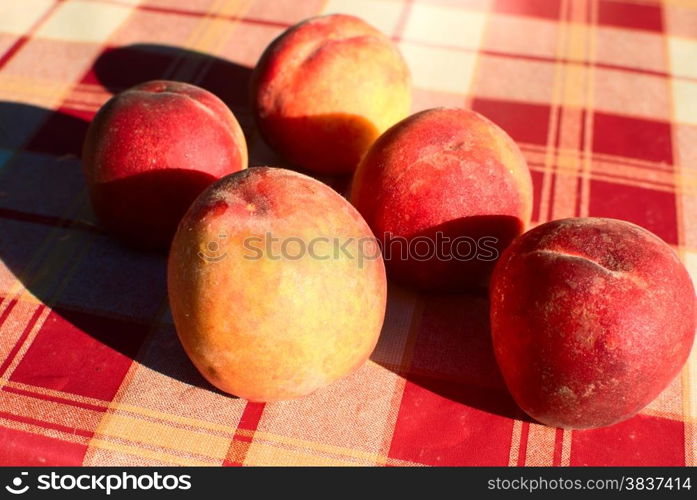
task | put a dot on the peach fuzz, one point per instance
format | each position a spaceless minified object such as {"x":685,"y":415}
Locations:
{"x":326,"y":88}
{"x":591,"y":319}
{"x":443,"y":173}
{"x":150,"y":151}
{"x":259,"y":317}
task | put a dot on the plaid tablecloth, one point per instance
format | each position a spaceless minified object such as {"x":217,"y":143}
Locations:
{"x":601,"y":95}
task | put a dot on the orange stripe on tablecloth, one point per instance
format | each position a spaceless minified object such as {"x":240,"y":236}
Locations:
{"x":690,"y":408}
{"x":545,"y":203}
{"x":570,"y":126}
{"x":149,"y":414}
{"x":683,"y":226}
{"x":477,"y":64}
{"x":587,"y":165}
{"x":557,"y":114}
{"x":332,"y":452}
{"x":117,"y":427}
{"x":18,"y":345}
{"x":193,"y":69}
{"x":221,"y":34}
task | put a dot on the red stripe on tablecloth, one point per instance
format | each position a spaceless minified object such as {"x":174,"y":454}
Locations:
{"x":402,"y":21}
{"x":656,"y":212}
{"x":22,"y":448}
{"x":46,"y":425}
{"x":18,"y":345}
{"x":525,"y":122}
{"x":533,"y":8}
{"x":632,"y":137}
{"x":250,"y":419}
{"x":632,"y":15}
{"x":537,"y":180}
{"x":21,"y":41}
{"x":522,"y":451}
{"x":434,"y":428}
{"x":55,"y":399}
{"x":558,"y":444}
{"x":640,"y":441}
{"x":459,"y":389}
{"x":84,"y":354}
{"x":7,"y":310}
{"x":242,"y":440}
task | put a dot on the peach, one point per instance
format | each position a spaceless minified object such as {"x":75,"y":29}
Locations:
{"x":276,"y":285}
{"x":326,"y":88}
{"x":148,"y":153}
{"x":445,"y":191}
{"x":591,"y":319}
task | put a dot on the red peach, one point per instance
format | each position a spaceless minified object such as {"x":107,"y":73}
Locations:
{"x":326,"y":88}
{"x":276,"y":285}
{"x":591,"y":319}
{"x":445,"y":190}
{"x":153,"y":148}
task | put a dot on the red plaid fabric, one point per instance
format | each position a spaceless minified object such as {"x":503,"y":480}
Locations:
{"x":601,"y":95}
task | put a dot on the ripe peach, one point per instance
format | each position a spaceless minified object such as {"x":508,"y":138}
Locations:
{"x":148,"y":153}
{"x":591,"y":319}
{"x":276,"y":285}
{"x":326,"y":88}
{"x":445,"y":191}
